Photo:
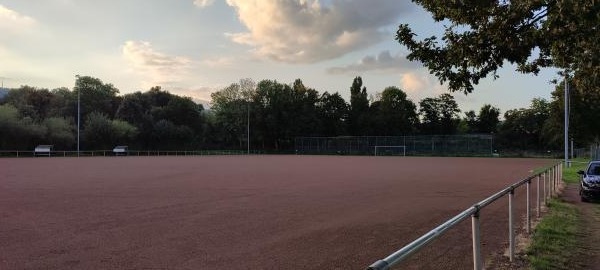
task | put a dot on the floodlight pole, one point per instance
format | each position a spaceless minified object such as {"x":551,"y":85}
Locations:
{"x":78,"y":114}
{"x":567,"y":165}
{"x":248,"y":126}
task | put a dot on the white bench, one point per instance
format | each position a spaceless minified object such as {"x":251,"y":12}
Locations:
{"x":120,"y":150}
{"x":43,"y":150}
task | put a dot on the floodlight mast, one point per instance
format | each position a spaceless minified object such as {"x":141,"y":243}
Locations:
{"x":248,"y":126}
{"x":566,"y":99}
{"x":78,"y":114}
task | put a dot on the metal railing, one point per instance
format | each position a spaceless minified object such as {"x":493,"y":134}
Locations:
{"x":550,"y":177}
{"x":53,"y":153}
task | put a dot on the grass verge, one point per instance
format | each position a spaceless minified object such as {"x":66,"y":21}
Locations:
{"x":555,"y":240}
{"x":570,"y":174}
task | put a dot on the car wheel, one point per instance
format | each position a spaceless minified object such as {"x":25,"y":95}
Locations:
{"x":584,"y":199}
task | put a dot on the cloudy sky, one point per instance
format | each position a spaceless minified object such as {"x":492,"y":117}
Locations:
{"x":195,"y":47}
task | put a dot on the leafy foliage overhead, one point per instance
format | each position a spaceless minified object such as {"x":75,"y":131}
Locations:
{"x":481,"y":36}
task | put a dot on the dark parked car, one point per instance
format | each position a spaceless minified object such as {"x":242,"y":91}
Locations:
{"x":589,"y":186}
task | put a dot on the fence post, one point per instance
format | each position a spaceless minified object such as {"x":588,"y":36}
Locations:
{"x":511,"y":230}
{"x":528,"y":207}
{"x":559,"y":176}
{"x":555,"y":180}
{"x":561,"y":173}
{"x":476,"y":241}
{"x":544,"y":181}
{"x":552,"y":179}
{"x":539,"y":208}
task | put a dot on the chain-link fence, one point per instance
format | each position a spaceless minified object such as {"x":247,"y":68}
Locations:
{"x":435,"y":145}
{"x":595,"y":151}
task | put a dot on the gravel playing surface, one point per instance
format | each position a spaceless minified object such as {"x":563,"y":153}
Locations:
{"x":246,"y":212}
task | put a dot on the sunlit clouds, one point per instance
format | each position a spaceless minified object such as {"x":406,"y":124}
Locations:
{"x":419,"y":84}
{"x":10,"y":18}
{"x":195,"y":47}
{"x":157,"y":68}
{"x":384,"y":61}
{"x":203,"y":3}
{"x":310,"y":31}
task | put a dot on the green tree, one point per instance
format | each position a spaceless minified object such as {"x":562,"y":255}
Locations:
{"x":59,"y":132}
{"x":30,"y":101}
{"x":184,"y":111}
{"x":359,"y":108}
{"x":332,"y":110}
{"x":481,"y":36}
{"x":232,"y":106}
{"x":397,"y":114}
{"x":303,"y":112}
{"x":584,"y":108}
{"x":168,"y":136}
{"x":439,"y":115}
{"x":470,"y":122}
{"x":18,"y":133}
{"x":103,"y":133}
{"x":522,"y":128}
{"x":488,"y":119}
{"x":96,"y":96}
{"x":274,"y":108}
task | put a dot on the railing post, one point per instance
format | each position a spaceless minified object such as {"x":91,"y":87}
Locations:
{"x":528,"y":207}
{"x":539,"y":208}
{"x":544,"y":181}
{"x":558,"y":176}
{"x":550,"y":184}
{"x":554,"y":177}
{"x":511,"y":230}
{"x":476,"y":241}
{"x":560,"y":173}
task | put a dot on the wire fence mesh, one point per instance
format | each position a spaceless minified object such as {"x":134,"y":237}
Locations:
{"x":432,"y":145}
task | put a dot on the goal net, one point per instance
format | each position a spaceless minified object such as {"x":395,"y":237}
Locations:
{"x":390,"y":150}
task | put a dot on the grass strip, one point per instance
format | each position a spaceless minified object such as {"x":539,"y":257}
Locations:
{"x":555,"y":239}
{"x":570,"y":174}
{"x":554,"y":242}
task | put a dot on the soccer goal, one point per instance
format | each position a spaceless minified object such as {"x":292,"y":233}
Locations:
{"x":390,"y":150}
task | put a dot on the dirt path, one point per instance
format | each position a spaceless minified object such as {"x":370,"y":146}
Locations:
{"x":588,"y":256}
{"x":246,"y":212}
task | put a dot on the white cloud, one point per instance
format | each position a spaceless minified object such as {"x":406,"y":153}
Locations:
{"x":8,"y":16}
{"x":419,"y":84}
{"x":219,"y":62}
{"x":155,"y":67}
{"x":307,"y":31}
{"x":14,"y":22}
{"x":384,"y":61}
{"x":203,"y":3}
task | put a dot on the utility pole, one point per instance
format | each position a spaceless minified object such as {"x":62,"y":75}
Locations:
{"x":567,"y":164}
{"x":248,"y":126}
{"x":78,"y":113}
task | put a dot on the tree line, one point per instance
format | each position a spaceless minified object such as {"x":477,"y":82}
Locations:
{"x":275,"y":114}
